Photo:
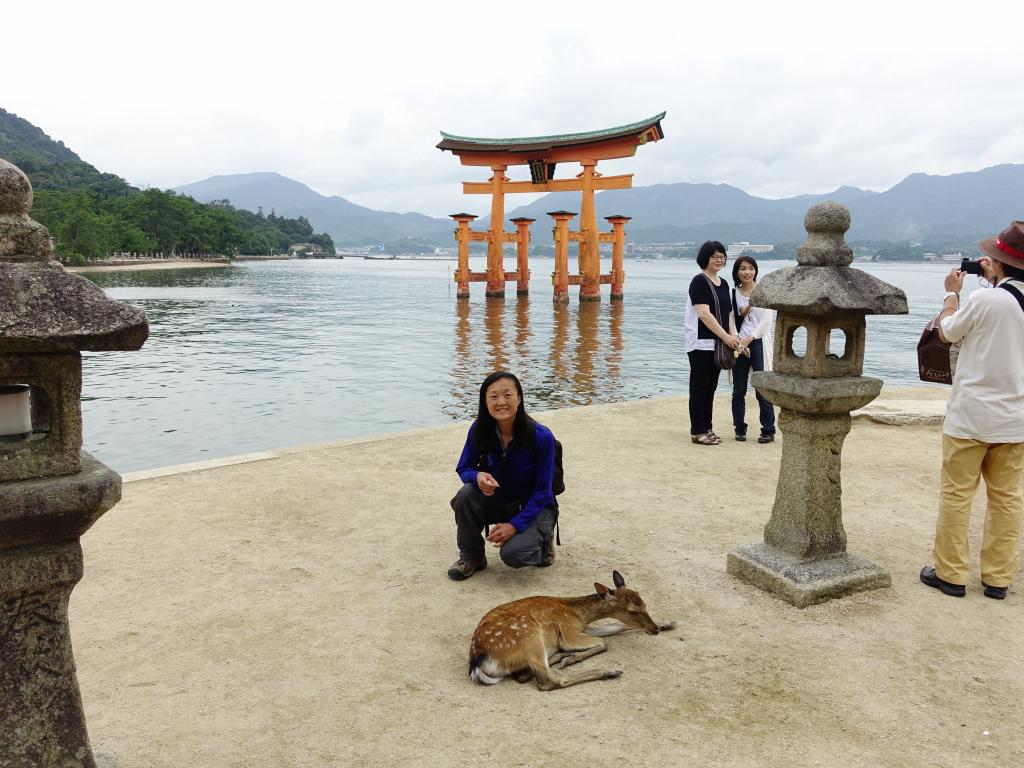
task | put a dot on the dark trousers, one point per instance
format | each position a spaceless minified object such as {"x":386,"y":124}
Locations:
{"x":473,"y":511}
{"x":740,"y":375}
{"x":703,"y":383}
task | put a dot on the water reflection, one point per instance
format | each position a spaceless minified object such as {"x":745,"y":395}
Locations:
{"x":572,"y":356}
{"x":265,"y":355}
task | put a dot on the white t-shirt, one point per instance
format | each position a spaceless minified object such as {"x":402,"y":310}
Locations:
{"x":758,"y":319}
{"x":757,"y":323}
{"x":987,"y":401}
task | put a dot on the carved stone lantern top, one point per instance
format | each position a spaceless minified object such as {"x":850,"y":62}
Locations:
{"x":809,"y":290}
{"x":43,"y":308}
{"x":47,"y":318}
{"x":826,"y":301}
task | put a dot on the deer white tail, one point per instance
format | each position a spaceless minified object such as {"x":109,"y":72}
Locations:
{"x":477,"y":673}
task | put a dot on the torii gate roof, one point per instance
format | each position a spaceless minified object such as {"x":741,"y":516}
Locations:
{"x":620,"y":141}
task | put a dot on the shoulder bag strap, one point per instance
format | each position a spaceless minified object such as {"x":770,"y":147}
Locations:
{"x":1013,"y":292}
{"x":714,"y":295}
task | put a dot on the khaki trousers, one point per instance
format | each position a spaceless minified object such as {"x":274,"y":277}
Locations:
{"x":963,"y":463}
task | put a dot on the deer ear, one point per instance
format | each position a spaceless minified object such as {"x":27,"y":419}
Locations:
{"x":617,"y":578}
{"x":603,"y":591}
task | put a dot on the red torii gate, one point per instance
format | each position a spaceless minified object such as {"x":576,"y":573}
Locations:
{"x":542,"y":154}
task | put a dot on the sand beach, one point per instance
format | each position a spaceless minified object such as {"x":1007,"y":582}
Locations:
{"x":292,"y":609}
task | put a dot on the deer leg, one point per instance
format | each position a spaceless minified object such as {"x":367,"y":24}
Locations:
{"x":549,"y":680}
{"x":617,"y":628}
{"x":606,"y":630}
{"x":575,"y":658}
{"x":561,"y":659}
{"x":577,"y":647}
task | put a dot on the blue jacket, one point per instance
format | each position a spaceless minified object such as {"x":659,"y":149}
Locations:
{"x":523,"y":474}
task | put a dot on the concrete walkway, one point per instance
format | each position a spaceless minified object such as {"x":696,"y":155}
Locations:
{"x":293,"y":610}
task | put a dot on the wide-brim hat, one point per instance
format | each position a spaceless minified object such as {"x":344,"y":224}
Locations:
{"x":1007,"y":247}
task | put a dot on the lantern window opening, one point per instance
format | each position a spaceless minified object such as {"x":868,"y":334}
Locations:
{"x":24,"y":413}
{"x":839,"y":346}
{"x":796,"y":338}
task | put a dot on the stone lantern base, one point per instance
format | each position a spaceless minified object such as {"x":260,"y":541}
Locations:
{"x":805,"y":582}
{"x":41,"y":718}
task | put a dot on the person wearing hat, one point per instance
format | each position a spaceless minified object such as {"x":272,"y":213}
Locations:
{"x":983,"y":435}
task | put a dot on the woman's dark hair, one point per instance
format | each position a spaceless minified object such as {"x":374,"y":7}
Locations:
{"x":485,"y":437}
{"x":1015,"y":273}
{"x":740,"y":261}
{"x":709,"y":249}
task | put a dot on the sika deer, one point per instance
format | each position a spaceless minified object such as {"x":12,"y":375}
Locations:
{"x":522,"y":639}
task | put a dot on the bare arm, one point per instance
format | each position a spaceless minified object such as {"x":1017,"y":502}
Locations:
{"x":954,"y":282}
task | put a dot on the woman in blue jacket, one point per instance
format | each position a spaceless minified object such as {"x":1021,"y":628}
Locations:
{"x":506,"y":467}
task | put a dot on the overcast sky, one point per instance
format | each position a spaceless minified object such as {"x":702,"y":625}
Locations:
{"x":777,"y":99}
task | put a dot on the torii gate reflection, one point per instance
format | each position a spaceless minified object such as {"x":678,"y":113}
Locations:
{"x":542,"y":154}
{"x":582,"y":364}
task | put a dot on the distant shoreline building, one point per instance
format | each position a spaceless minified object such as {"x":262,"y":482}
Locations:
{"x":739,"y":249}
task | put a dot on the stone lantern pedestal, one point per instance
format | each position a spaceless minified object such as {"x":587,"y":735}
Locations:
{"x":803,"y":557}
{"x":51,"y":492}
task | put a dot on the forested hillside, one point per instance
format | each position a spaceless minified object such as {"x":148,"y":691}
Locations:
{"x":92,"y":214}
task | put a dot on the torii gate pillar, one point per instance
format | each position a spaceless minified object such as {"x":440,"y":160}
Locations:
{"x":522,"y":254}
{"x":496,"y":241}
{"x":590,"y":255}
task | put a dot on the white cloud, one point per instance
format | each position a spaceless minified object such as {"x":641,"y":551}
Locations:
{"x":775,"y":99}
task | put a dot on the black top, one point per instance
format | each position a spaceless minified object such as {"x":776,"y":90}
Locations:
{"x":700,"y":293}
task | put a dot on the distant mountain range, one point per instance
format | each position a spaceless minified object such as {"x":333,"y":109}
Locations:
{"x":346,"y":222}
{"x":960,"y":207}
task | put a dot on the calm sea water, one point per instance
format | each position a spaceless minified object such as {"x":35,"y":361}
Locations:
{"x":274,"y":354}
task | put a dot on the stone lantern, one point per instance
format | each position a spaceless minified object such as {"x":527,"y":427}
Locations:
{"x":803,"y":558}
{"x":51,"y":491}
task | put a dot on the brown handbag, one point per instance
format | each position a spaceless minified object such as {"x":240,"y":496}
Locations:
{"x":933,"y":356}
{"x":724,"y":357}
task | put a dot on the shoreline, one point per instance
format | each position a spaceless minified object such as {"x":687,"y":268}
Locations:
{"x":143,"y":266}
{"x":897,"y":406}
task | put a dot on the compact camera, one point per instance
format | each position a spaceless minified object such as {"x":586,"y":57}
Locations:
{"x":970,"y":267}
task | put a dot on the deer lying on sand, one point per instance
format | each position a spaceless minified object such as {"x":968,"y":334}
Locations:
{"x":524,"y":638}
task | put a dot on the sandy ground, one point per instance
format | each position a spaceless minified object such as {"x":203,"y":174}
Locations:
{"x":294,"y":611}
{"x":182,"y":264}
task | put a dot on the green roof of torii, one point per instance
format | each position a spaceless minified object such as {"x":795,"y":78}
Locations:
{"x":452,"y":142}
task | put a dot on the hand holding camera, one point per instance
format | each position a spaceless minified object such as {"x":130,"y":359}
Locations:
{"x":955,"y":279}
{"x":971,"y":267}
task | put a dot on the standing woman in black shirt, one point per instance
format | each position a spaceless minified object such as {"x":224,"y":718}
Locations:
{"x":702,"y":325}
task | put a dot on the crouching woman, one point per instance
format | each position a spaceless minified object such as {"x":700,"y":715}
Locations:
{"x":507,"y":467}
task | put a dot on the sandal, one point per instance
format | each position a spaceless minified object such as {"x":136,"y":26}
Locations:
{"x":706,"y":439}
{"x":714,"y":437}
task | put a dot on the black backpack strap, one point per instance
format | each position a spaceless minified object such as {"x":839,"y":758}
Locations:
{"x":1015,"y":293}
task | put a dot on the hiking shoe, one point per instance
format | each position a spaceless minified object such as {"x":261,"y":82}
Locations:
{"x":996,"y":593}
{"x":929,"y":577}
{"x":549,"y":554}
{"x":766,"y":437}
{"x":463,"y":569}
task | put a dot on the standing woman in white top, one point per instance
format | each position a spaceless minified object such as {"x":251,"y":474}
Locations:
{"x":983,"y":434}
{"x":708,"y":292}
{"x":753,"y":323}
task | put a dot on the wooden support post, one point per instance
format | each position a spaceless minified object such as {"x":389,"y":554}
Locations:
{"x":523,"y":254}
{"x":462,"y":238}
{"x":560,"y":277}
{"x":590,"y":254}
{"x":618,"y":244}
{"x":496,"y":240}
